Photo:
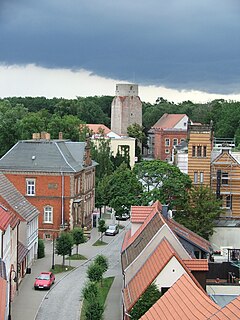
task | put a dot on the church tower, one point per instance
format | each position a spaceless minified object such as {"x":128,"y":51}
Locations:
{"x":126,"y":108}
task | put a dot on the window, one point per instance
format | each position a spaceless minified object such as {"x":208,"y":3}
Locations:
{"x":175,"y":141}
{"x":195,"y":177}
{"x":167,"y":142}
{"x":193,"y":151}
{"x":167,"y":151}
{"x":201,"y":177}
{"x":229,"y":202}
{"x":199,"y":151}
{"x":30,"y":183}
{"x":48,"y":214}
{"x":225,"y":178}
{"x":181,"y":140}
{"x":204,"y":151}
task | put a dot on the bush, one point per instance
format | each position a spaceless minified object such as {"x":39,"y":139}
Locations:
{"x":41,"y":249}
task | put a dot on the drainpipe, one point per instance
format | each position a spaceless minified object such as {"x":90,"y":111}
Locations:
{"x":62,"y":212}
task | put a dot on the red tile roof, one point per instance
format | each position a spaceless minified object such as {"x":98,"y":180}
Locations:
{"x":140,"y":213}
{"x":196,"y":264}
{"x":230,"y":312}
{"x":146,"y":275}
{"x":155,"y":210}
{"x":126,"y":239}
{"x":168,"y":121}
{"x":5,"y":218}
{"x":95,"y":128}
{"x":3,"y":294}
{"x":183,"y":301}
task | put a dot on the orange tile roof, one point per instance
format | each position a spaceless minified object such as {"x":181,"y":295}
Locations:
{"x":95,"y":128}
{"x":230,"y":312}
{"x":196,"y":264}
{"x":168,"y":121}
{"x":183,"y":301}
{"x":155,"y":210}
{"x":5,"y":218}
{"x":140,"y":213}
{"x":3,"y":294}
{"x":146,"y":275}
{"x":126,"y":239}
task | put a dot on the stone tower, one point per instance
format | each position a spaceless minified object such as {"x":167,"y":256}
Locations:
{"x":126,"y":108}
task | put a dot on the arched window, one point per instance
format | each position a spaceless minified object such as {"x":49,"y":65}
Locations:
{"x":48,"y":214}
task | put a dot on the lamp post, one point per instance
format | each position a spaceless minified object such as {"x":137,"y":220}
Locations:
{"x":53,"y":264}
{"x":10,"y":290}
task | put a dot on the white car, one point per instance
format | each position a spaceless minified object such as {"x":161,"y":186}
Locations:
{"x":112,"y":230}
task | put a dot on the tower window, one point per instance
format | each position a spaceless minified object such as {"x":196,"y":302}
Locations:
{"x":193,"y":151}
{"x":199,"y":151}
{"x":229,"y":202}
{"x":195,"y":177}
{"x":204,"y":151}
{"x":225,"y":178}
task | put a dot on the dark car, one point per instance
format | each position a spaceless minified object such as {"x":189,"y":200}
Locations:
{"x":123,"y":217}
{"x":44,"y":280}
{"x":112,"y":230}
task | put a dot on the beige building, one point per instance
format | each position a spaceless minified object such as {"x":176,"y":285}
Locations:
{"x":117,"y":143}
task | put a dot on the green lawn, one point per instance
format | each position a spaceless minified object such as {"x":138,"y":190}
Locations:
{"x":104,"y":289}
{"x":76,"y":257}
{"x":99,"y":243}
{"x":58,"y":268}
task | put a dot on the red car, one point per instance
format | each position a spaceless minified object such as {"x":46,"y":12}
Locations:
{"x":44,"y":280}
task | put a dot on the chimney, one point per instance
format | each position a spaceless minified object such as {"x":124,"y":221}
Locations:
{"x":45,"y":135}
{"x":165,"y":211}
{"x":60,"y":135}
{"x":36,"y":135}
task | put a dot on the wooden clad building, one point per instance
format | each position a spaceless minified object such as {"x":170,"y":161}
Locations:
{"x":200,"y":139}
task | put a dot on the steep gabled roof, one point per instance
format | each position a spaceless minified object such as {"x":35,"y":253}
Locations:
{"x":230,"y":312}
{"x":169,"y":121}
{"x":183,"y":301}
{"x":5,"y":218}
{"x":147,"y":274}
{"x":13,"y":198}
{"x":188,"y":235}
{"x":45,"y":155}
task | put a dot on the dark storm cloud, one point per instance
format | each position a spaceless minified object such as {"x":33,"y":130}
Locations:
{"x":184,"y":44}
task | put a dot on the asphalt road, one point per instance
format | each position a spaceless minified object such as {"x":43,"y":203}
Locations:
{"x":63,"y":302}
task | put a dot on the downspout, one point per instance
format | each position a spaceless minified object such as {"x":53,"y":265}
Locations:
{"x":62,"y":200}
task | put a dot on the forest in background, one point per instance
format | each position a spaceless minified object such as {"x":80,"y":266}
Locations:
{"x":20,"y":117}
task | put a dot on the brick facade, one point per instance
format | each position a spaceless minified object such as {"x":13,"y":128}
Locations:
{"x":164,"y":142}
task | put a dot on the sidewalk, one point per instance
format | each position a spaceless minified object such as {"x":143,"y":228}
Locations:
{"x":27,"y":301}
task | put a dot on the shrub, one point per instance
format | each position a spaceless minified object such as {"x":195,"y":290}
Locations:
{"x":41,"y":249}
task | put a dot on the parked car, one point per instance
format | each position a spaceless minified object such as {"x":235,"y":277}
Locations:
{"x":112,"y":230}
{"x":44,"y":281}
{"x":123,"y":217}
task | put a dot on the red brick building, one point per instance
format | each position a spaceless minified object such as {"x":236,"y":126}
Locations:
{"x":57,"y":177}
{"x":168,"y":131}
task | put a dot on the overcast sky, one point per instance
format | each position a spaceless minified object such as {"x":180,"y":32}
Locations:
{"x":84,"y":47}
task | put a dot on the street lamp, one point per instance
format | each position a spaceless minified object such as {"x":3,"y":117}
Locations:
{"x":53,"y":264}
{"x":10,"y":290}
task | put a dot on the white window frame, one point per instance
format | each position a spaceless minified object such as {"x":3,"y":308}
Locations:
{"x":195,"y":175}
{"x":30,"y":187}
{"x":167,"y":151}
{"x":167,"y":142}
{"x":175,"y":141}
{"x":48,"y":214}
{"x":201,"y":177}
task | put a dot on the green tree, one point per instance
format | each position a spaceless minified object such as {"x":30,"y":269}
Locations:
{"x":78,"y":237}
{"x":64,"y":244}
{"x":123,"y":189}
{"x":102,"y":226}
{"x":136,"y":131}
{"x":145,"y":302}
{"x":162,"y":181}
{"x":102,"y":261}
{"x":93,"y":309}
{"x":68,"y":125}
{"x":200,"y":211}
{"x":95,"y":272}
